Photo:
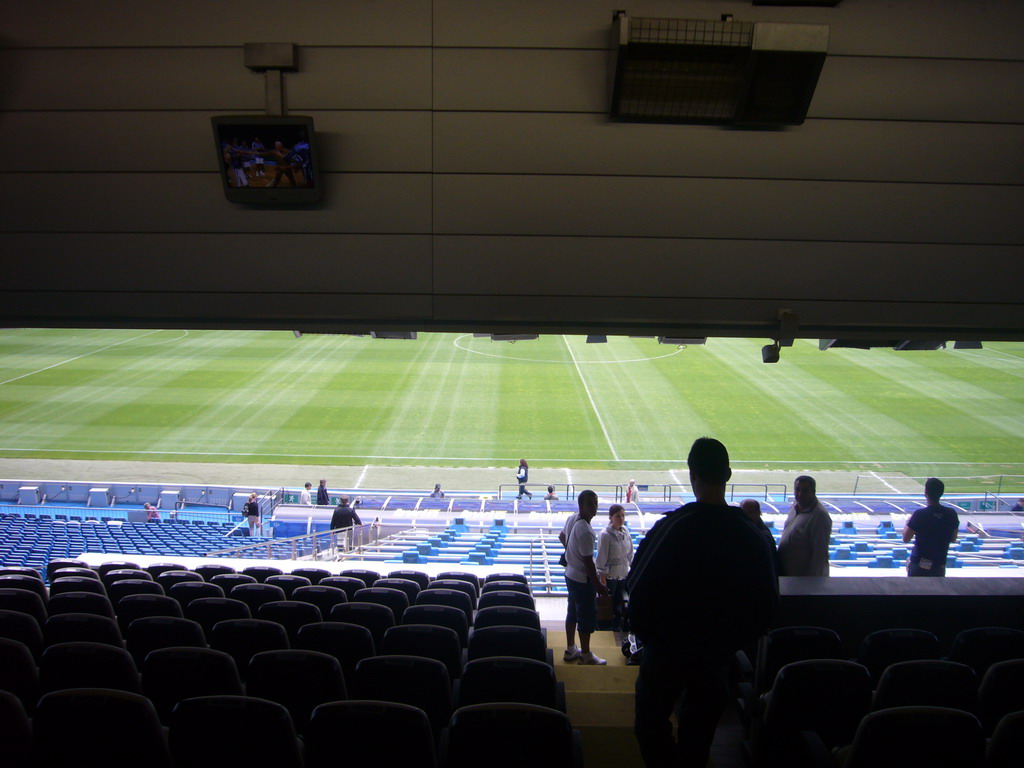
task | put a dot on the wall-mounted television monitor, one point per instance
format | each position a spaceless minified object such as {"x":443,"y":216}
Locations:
{"x":268,"y":160}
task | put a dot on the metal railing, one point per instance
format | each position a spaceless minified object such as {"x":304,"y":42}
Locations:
{"x":338,"y":544}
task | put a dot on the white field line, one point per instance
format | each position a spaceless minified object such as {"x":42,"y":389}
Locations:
{"x":362,"y":476}
{"x":590,"y":397}
{"x":79,"y":357}
{"x":496,"y":460}
{"x":883,"y":481}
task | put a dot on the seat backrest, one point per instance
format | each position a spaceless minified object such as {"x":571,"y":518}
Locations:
{"x":478,"y":735}
{"x":76,"y":584}
{"x":362,"y":726}
{"x":917,"y":736}
{"x":168,"y":579}
{"x":24,"y":581}
{"x":228,"y":581}
{"x":148,"y":633}
{"x":440,"y":615}
{"x":511,"y":615}
{"x":23,"y":601}
{"x":209,"y":570}
{"x":175,"y":673}
{"x":348,"y":643}
{"x":427,"y":640}
{"x":66,"y":723}
{"x":496,"y":585}
{"x":348,"y":584}
{"x":87,"y":665}
{"x":118,"y":590}
{"x":375,"y":617}
{"x":15,"y":625}
{"x":74,"y":627}
{"x":508,"y":678}
{"x":981,"y":647}
{"x":122,"y":574}
{"x":262,"y":572}
{"x":451,"y":597}
{"x":155,"y":569}
{"x":888,"y":646}
{"x":209,"y":610}
{"x":299,"y":679}
{"x":313,"y":574}
{"x":506,"y":577}
{"x":290,"y":614}
{"x":366,"y":576}
{"x":242,"y":638}
{"x":218,"y":725}
{"x":413,"y":680}
{"x":15,"y":731}
{"x":395,"y":599}
{"x":785,"y":645}
{"x":459,"y":584}
{"x":18,"y":673}
{"x":1007,"y":743}
{"x":255,"y":595}
{"x":927,"y":682}
{"x":408,"y":586}
{"x":506,"y":597}
{"x":289,"y":582}
{"x":80,"y":602}
{"x":507,"y":641}
{"x":421,"y":579}
{"x":134,"y":607}
{"x":323,"y":597}
{"x":1001,"y":692}
{"x":187,"y":591}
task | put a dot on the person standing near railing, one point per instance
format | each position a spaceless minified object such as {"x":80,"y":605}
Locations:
{"x":344,"y":516}
{"x":522,"y":476}
{"x":252,"y":514}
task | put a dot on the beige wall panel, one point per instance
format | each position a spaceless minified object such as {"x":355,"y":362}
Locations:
{"x":919,"y":28}
{"x":211,"y":79}
{"x":638,"y":267}
{"x":361,"y":78}
{"x":920,"y":89}
{"x":729,"y":316}
{"x":712,"y":208}
{"x":269,"y":310}
{"x":819,"y":149}
{"x":576,"y":81}
{"x":183,"y":141}
{"x":192,"y":202}
{"x":114,"y":23}
{"x":521,"y":80}
{"x":274,"y":263}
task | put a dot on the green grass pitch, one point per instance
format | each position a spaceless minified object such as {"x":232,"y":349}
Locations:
{"x":456,"y":400}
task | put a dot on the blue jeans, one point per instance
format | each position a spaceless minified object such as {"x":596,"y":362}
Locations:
{"x":582,"y":607}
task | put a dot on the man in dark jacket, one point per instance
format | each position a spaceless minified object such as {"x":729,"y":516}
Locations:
{"x":323,"y":498}
{"x":703,"y":584}
{"x":344,"y":516}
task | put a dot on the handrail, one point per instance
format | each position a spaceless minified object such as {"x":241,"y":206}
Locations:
{"x":323,"y":545}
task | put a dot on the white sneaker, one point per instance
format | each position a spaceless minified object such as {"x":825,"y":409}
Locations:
{"x":571,"y":654}
{"x":590,"y":658}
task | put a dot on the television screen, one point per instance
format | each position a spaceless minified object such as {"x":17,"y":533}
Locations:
{"x":268,"y":160}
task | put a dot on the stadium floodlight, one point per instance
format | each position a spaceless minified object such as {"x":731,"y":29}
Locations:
{"x":393,"y":334}
{"x":596,"y":339}
{"x":770,"y":353}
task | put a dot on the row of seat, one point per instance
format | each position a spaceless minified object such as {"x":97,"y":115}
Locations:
{"x":118,"y":729}
{"x":813,"y":689}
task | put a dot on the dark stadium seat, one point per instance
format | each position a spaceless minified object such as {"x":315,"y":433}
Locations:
{"x":262,"y":572}
{"x":187,"y":591}
{"x":132,"y":607}
{"x":509,"y":641}
{"x":506,"y":598}
{"x":288,"y":582}
{"x":228,"y":581}
{"x":15,"y":625}
{"x":120,"y":574}
{"x":15,"y":732}
{"x":888,"y":646}
{"x":168,"y":579}
{"x":366,"y":576}
{"x":507,"y":615}
{"x":24,"y":581}
{"x":80,"y":602}
{"x":66,"y":724}
{"x":290,"y":614}
{"x":469,"y":578}
{"x":442,"y":616}
{"x":509,"y":678}
{"x":24,"y":601}
{"x":209,"y":570}
{"x":927,"y":682}
{"x":413,"y":680}
{"x":242,"y":638}
{"x":427,"y":640}
{"x":75,"y":627}
{"x":348,"y":643}
{"x":156,"y":569}
{"x":363,"y":727}
{"x":63,"y":584}
{"x":421,"y":579}
{"x":209,"y":610}
{"x":1006,"y":746}
{"x":981,"y":647}
{"x":323,"y":597}
{"x":1001,"y":692}
{"x":115,"y":565}
{"x":408,"y":586}
{"x":193,"y":741}
{"x":453,"y":598}
{"x":458,"y":584}
{"x":505,"y":586}
{"x":149,"y":633}
{"x":479,"y":735}
{"x":255,"y":595}
{"x":121,"y":589}
{"x":299,"y":679}
{"x":375,"y":617}
{"x":18,"y":673}
{"x":172,"y":674}
{"x":87,"y":665}
{"x":785,"y":645}
{"x":54,"y":565}
{"x":506,"y":577}
{"x":395,"y":599}
{"x":347,"y":584}
{"x":313,"y":574}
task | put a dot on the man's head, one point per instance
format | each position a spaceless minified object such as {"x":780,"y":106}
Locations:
{"x":805,"y":490}
{"x":934,"y":488}
{"x":709,"y":462}
{"x":343,"y":501}
{"x":751,"y":508}
{"x":323,"y":482}
{"x":587,"y":501}
{"x":308,"y":486}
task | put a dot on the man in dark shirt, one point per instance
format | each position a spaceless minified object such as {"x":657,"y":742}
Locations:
{"x":703,"y":584}
{"x":344,"y":516}
{"x":932,"y":528}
